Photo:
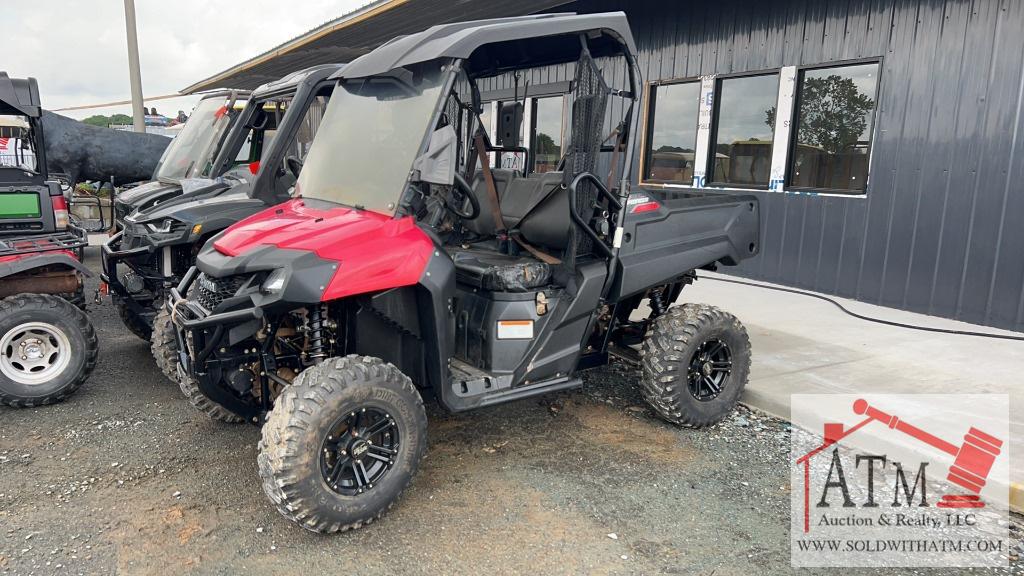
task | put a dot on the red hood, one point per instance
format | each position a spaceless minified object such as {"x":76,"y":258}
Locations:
{"x":375,"y":251}
{"x":297,"y":226}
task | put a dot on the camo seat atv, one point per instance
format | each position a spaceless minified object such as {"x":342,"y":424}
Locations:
{"x":48,"y":346}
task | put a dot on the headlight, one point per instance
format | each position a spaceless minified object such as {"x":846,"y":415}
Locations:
{"x":163,"y":227}
{"x":274,"y":282}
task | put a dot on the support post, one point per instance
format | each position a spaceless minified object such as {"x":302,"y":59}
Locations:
{"x":134,"y":75}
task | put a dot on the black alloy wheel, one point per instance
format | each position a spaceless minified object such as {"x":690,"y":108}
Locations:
{"x":359,"y":450}
{"x":710,"y":369}
{"x":342,"y":443}
{"x":695,"y":362}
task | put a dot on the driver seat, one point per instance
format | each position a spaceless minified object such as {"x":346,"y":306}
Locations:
{"x":496,"y":272}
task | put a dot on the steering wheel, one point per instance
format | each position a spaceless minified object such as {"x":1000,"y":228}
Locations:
{"x":466,"y":191}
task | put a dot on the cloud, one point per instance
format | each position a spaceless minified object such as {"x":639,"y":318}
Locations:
{"x":77,"y":50}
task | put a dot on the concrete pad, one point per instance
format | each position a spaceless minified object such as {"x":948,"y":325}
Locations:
{"x":808,"y":346}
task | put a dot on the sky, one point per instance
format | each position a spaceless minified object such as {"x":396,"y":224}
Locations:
{"x":77,"y":49}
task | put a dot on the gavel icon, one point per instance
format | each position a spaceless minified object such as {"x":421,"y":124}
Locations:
{"x":972,"y":461}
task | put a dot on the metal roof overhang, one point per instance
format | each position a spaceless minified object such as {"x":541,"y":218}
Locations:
{"x":358,"y":33}
{"x":462,"y":39}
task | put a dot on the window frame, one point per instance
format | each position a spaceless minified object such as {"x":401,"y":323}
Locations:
{"x":650,"y":101}
{"x":530,"y":132}
{"x":494,"y":99}
{"x":795,"y":124}
{"x":716,"y":110}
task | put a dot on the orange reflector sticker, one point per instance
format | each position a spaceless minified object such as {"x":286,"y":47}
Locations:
{"x":515,"y":329}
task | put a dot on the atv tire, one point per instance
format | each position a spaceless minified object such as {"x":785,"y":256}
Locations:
{"x":696,"y":361}
{"x":164,"y":344}
{"x":201,"y":402}
{"x":48,"y":349}
{"x":77,"y":298}
{"x":132,"y":320}
{"x":342,"y":443}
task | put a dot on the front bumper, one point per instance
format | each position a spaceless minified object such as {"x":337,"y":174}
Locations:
{"x":139,"y":301}
{"x":198,"y":330}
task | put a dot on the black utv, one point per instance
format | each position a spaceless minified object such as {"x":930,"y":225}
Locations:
{"x":260,"y":159}
{"x":408,"y":267}
{"x":190,"y":161}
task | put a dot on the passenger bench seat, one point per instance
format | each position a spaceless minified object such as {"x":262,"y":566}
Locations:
{"x":537,"y":207}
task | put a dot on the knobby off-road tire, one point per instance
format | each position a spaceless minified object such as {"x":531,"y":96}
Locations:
{"x":135,"y":323}
{"x":190,"y":388}
{"x":293,"y":451}
{"x":76,"y":298}
{"x":679,"y":374}
{"x":48,"y":349}
{"x":164,"y":344}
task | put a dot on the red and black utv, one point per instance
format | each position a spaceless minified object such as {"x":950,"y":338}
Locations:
{"x":409,"y":267}
{"x":47,"y":345}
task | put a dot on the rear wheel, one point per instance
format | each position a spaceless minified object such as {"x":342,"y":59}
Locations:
{"x":342,"y":443}
{"x":164,"y":344}
{"x":135,"y":323}
{"x":47,"y":349}
{"x":696,"y":360}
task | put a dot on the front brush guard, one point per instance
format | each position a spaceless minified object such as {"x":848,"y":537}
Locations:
{"x":192,"y":324}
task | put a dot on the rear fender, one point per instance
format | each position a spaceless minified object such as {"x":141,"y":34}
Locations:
{"x":50,"y":273}
{"x":29,"y":262}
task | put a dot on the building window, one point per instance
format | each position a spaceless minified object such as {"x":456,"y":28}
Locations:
{"x":546,"y":137}
{"x":671,"y":132}
{"x":835,"y":111}
{"x":744,"y":129}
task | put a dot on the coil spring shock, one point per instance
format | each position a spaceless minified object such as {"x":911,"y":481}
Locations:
{"x":316,"y":335}
{"x":657,"y":302}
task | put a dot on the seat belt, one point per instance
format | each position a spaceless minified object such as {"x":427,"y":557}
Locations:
{"x":613,"y":173}
{"x":492,"y":190}
{"x":543,"y":257}
{"x":492,"y":193}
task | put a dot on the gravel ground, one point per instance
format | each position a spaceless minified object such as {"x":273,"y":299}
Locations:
{"x":126,"y":477}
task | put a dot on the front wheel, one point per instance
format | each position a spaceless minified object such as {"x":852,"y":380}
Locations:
{"x":133,"y":321}
{"x":696,"y":360}
{"x":48,"y":349}
{"x":164,"y":344}
{"x":342,"y":443}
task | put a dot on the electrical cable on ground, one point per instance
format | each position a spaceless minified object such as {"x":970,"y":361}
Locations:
{"x":868,"y":318}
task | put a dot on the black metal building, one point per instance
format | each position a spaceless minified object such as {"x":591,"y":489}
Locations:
{"x":884,"y":138}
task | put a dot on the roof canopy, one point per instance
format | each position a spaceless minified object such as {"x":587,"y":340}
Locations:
{"x":311,"y":74}
{"x":509,"y":42}
{"x":352,"y":35}
{"x":19,"y":96}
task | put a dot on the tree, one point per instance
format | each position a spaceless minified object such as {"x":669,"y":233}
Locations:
{"x":546,"y":145}
{"x":832,"y":113}
{"x":97,"y":120}
{"x":104,"y":121}
{"x":669,"y":148}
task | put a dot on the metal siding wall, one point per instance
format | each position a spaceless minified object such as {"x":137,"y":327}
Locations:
{"x":942,"y":227}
